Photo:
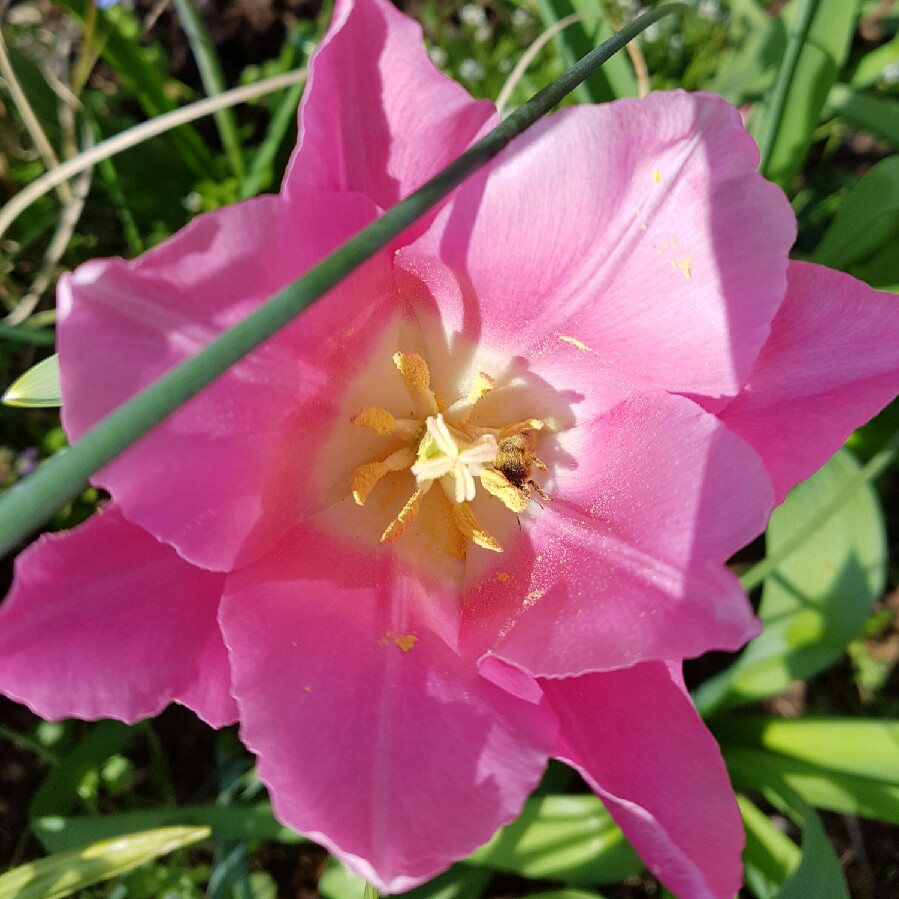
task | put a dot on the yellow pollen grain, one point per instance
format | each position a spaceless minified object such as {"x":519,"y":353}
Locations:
{"x":468,"y":523}
{"x":685,"y":265}
{"x":503,"y":577}
{"x":307,"y":689}
{"x":656,"y":176}
{"x":407,"y":515}
{"x":405,"y":642}
{"x":376,"y":419}
{"x":575,"y":343}
{"x":498,"y":485}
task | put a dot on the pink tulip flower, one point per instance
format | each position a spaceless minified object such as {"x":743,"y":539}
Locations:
{"x":472,"y":510}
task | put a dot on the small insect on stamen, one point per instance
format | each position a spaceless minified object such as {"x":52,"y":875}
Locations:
{"x":515,"y":460}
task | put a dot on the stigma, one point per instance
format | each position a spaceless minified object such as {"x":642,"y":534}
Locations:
{"x":440,"y":444}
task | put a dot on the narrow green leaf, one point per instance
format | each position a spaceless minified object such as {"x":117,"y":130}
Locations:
{"x":772,"y":774}
{"x":820,"y":32}
{"x":210,"y":70}
{"x":819,"y":596}
{"x":62,"y":477}
{"x":870,"y":68}
{"x":616,"y":78}
{"x":259,"y":175}
{"x":866,"y":221}
{"x":34,"y":336}
{"x":238,"y":822}
{"x":868,"y":748}
{"x":567,"y":838}
{"x":879,"y":115}
{"x":460,"y":882}
{"x":759,"y":44}
{"x":819,"y":873}
{"x":770,"y":856}
{"x":66,"y":873}
{"x":38,"y":388}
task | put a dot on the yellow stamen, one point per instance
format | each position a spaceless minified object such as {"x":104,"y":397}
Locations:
{"x":483,"y":384}
{"x":378,"y":420}
{"x":467,"y":522}
{"x":366,"y":476}
{"x":498,"y":485}
{"x":417,"y":378}
{"x":407,"y":515}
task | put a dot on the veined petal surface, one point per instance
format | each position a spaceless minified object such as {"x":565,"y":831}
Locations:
{"x":627,"y":563}
{"x":378,"y":118}
{"x":225,"y":476}
{"x":637,"y":740}
{"x":830,"y":364}
{"x":373,"y":734}
{"x":129,"y":629}
{"x":648,"y":263}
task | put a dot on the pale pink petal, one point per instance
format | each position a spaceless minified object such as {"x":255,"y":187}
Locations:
{"x":637,"y":740}
{"x":831,"y":363}
{"x":626,"y":563}
{"x":378,"y":117}
{"x":374,"y":736}
{"x":227,"y":475}
{"x":106,"y":622}
{"x":639,"y":228}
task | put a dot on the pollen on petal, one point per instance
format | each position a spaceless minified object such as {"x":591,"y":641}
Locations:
{"x":467,"y":522}
{"x":407,"y":515}
{"x":405,"y":642}
{"x":498,"y":485}
{"x":376,"y":419}
{"x":575,"y":343}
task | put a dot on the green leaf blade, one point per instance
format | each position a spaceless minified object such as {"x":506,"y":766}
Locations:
{"x":38,"y":388}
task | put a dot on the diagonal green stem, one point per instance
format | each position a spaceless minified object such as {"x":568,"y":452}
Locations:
{"x":33,"y":500}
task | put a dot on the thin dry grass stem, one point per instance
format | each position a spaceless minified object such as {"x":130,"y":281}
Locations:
{"x":71,"y":211}
{"x":528,"y":57}
{"x":65,"y":228}
{"x":640,"y":70}
{"x":26,"y":113}
{"x":158,"y":9}
{"x":139,"y":133}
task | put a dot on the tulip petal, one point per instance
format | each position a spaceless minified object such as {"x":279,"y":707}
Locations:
{"x":626,"y":563}
{"x":226,"y":475}
{"x":831,"y":363}
{"x":378,"y":117}
{"x":622,"y":227}
{"x":374,"y":736}
{"x":130,"y":628}
{"x":637,"y":740}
